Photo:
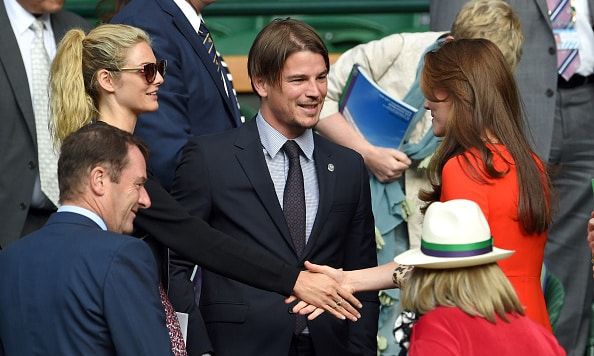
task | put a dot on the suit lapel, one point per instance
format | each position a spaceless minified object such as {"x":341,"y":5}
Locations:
{"x":326,"y":180}
{"x":544,"y":11}
{"x":59,"y":27}
{"x":10,"y":57}
{"x":186,"y":29}
{"x":251,"y":159}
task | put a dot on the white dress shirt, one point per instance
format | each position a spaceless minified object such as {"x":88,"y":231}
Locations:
{"x":20,"y":21}
{"x":583,"y":27}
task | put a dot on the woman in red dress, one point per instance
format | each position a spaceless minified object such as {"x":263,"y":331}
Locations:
{"x":485,"y":157}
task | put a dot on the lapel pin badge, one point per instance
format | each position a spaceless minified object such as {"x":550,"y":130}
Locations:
{"x":330,"y":167}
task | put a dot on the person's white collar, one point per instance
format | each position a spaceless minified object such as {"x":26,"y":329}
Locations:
{"x":193,"y":17}
{"x":20,"y":19}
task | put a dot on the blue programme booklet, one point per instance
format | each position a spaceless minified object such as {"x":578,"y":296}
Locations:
{"x":382,"y":119}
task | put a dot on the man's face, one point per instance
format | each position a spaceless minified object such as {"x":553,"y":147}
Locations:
{"x":39,"y":7}
{"x":295,"y":104}
{"x":123,"y":199}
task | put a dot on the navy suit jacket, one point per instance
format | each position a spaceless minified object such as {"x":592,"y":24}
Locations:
{"x":233,"y":191}
{"x":71,"y":288}
{"x":192,"y":100}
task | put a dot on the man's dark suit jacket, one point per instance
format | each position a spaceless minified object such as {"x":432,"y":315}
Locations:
{"x":18,"y":151}
{"x":224,"y":178}
{"x":192,"y":100}
{"x":167,"y":224}
{"x":71,"y":288}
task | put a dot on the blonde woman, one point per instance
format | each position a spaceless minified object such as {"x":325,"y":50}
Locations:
{"x":464,"y":303}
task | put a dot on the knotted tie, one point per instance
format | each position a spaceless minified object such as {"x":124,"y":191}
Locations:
{"x":294,"y":209}
{"x":568,"y":60}
{"x":46,"y":156}
{"x":217,"y":60}
{"x":294,"y":197}
{"x":178,"y":347}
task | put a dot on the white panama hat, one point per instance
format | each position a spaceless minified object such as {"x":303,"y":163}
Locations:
{"x":455,"y":234}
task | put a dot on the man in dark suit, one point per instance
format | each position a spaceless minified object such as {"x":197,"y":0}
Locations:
{"x":77,"y":286}
{"x":197,"y":98}
{"x":559,"y":114}
{"x":314,"y":206}
{"x":23,"y":205}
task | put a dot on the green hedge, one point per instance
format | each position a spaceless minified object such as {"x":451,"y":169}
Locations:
{"x":342,"y":24}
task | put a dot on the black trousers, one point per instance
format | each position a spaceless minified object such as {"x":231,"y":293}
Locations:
{"x":302,"y":345}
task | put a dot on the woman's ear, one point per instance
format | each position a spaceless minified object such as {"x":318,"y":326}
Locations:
{"x":106,"y":80}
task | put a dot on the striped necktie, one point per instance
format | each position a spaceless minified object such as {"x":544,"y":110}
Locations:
{"x":221,"y":67}
{"x":562,"y":18}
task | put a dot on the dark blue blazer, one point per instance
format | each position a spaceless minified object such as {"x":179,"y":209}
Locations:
{"x":192,"y":100}
{"x":71,"y":288}
{"x":233,"y":191}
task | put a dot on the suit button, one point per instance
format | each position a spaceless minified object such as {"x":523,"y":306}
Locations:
{"x":23,"y":206}
{"x":31,"y":165}
{"x":549,"y":93}
{"x":552,"y":50}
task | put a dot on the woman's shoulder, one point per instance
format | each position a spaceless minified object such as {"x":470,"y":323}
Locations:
{"x":471,"y":161}
{"x":459,"y":163}
{"x":445,"y":313}
{"x":444,"y":316}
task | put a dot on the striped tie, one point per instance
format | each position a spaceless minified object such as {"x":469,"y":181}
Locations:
{"x":221,"y":67}
{"x":209,"y":45}
{"x":561,"y":14}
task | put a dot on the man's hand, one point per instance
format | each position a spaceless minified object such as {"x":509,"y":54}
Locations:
{"x":319,"y":292}
{"x":386,"y":164}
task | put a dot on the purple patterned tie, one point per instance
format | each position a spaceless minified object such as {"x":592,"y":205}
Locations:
{"x":294,"y":197}
{"x":294,"y":210}
{"x":561,"y":14}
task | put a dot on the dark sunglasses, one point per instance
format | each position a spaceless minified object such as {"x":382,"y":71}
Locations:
{"x":149,"y":70}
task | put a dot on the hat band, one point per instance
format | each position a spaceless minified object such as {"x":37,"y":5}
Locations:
{"x":457,"y":250}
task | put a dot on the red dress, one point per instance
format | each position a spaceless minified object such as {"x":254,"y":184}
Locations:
{"x":498,"y":200}
{"x":450,"y":331}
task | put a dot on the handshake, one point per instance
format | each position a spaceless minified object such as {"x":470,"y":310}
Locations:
{"x":323,"y":288}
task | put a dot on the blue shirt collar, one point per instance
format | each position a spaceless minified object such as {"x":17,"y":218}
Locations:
{"x":273,"y":141}
{"x":85,"y":212}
